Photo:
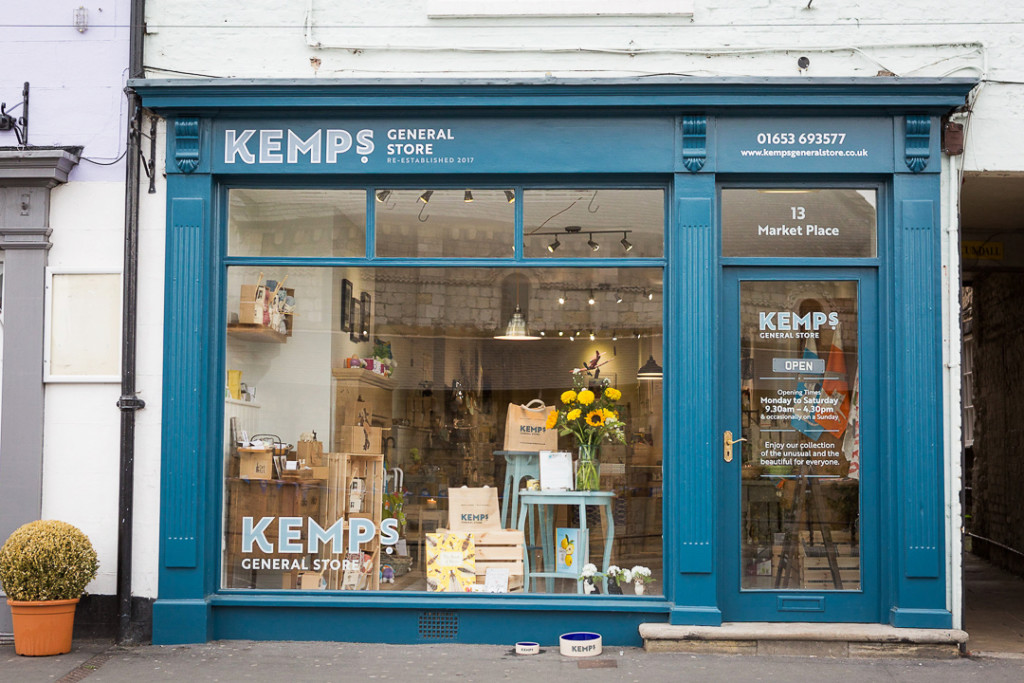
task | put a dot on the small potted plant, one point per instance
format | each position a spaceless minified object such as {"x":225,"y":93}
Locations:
{"x":616,"y":577}
{"x":588,"y":575}
{"x":44,"y":568}
{"x":641,"y":577}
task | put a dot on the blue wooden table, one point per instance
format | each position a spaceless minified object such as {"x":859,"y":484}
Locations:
{"x":541,"y":500}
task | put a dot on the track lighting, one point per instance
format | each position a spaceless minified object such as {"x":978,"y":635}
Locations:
{"x":510,"y":195}
{"x":618,"y":297}
{"x":425,"y":197}
{"x":561,"y":300}
{"x":591,"y":300}
{"x":578,"y":230}
{"x":650,"y":296}
{"x":468,"y":197}
{"x":382,"y":195}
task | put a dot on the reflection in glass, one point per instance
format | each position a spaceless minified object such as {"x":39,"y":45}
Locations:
{"x":831,"y":222}
{"x":445,"y":223}
{"x":296,"y":222}
{"x":386,"y":428}
{"x":593,"y":223}
{"x":800,"y":414}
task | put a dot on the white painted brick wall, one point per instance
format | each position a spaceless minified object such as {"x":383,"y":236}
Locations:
{"x":397,"y":38}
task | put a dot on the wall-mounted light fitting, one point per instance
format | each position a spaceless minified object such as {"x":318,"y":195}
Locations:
{"x":510,"y":195}
{"x":554,"y":245}
{"x":468,"y":196}
{"x":594,"y":246}
{"x":591,"y":300}
{"x":18,"y":125}
{"x":425,"y":197}
{"x":382,"y":195}
{"x":626,"y":244}
{"x":81,"y":19}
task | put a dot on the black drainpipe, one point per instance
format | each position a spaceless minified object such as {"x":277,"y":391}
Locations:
{"x":129,"y":402}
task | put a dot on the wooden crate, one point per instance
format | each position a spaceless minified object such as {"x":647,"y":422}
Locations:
{"x":364,"y":440}
{"x":821,"y":579}
{"x":838,"y":536}
{"x":342,"y":468}
{"x":499,"y":549}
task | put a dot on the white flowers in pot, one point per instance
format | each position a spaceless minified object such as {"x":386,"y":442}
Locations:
{"x":587,"y":575}
{"x":616,"y":577}
{"x":640,"y":577}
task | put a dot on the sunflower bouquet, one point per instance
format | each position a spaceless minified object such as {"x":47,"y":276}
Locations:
{"x":589,"y":414}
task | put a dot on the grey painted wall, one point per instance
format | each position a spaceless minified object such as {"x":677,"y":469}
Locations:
{"x":26,"y":178}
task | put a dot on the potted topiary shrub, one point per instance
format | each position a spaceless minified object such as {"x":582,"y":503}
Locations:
{"x":44,"y":568}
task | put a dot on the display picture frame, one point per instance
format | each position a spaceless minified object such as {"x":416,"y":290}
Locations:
{"x":346,"y":305}
{"x":355,"y":318}
{"x":364,"y":304}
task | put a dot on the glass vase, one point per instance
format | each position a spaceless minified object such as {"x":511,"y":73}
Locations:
{"x":588,"y":471}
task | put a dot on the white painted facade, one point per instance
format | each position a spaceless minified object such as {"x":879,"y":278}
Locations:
{"x":77,"y":79}
{"x":453,"y":39}
{"x":77,"y":100}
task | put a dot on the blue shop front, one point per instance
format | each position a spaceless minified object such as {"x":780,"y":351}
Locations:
{"x":465,"y":362}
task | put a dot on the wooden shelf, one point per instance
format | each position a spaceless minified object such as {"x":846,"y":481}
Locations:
{"x":364,"y":376}
{"x":256,"y":333}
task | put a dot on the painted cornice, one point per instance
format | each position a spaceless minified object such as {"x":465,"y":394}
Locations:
{"x":925,"y":95}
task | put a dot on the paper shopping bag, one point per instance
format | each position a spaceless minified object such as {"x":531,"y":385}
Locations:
{"x":525,"y":428}
{"x":473,"y":509}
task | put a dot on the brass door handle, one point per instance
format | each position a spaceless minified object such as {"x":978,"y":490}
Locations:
{"x":727,"y":443}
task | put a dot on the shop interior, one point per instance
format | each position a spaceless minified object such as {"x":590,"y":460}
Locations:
{"x":373,"y":392}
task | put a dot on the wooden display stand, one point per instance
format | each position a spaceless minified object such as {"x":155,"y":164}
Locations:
{"x":356,"y":389}
{"x":342,"y":470}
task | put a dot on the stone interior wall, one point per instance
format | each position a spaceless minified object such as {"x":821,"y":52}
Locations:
{"x":998,"y":471}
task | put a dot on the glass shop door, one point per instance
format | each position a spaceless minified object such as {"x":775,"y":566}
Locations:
{"x":798,"y":450}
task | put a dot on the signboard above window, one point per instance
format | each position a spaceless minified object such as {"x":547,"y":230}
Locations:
{"x":451,"y":9}
{"x":795,"y":222}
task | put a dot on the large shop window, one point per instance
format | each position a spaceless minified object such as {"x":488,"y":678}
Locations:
{"x":389,"y":428}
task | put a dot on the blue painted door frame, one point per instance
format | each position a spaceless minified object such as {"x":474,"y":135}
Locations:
{"x":912,"y":586}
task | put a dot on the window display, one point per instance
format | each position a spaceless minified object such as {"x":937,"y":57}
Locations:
{"x":384,"y":429}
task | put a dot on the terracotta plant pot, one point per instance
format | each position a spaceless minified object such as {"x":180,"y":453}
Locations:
{"x":42,"y":627}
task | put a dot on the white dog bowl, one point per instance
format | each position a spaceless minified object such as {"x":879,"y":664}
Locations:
{"x":526,"y":648}
{"x":580,"y":644}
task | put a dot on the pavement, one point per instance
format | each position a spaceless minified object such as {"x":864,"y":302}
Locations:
{"x":99,"y":662}
{"x":994,"y":618}
{"x":298,"y":662}
{"x":993,"y":609}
